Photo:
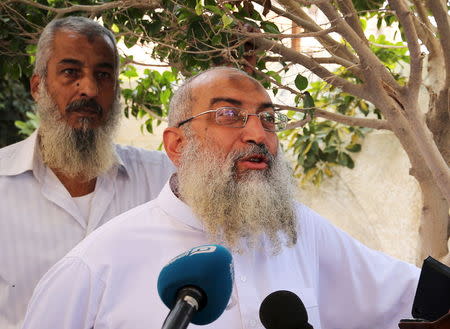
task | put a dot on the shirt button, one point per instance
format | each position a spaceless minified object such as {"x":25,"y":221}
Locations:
{"x":252,"y":323}
{"x":243,"y":278}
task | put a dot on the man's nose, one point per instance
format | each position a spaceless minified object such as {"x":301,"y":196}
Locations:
{"x":88,"y":86}
{"x":253,"y":131}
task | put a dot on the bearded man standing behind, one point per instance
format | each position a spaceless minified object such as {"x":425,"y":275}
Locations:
{"x":68,"y":178}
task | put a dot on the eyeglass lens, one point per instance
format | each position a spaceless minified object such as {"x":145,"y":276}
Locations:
{"x":271,"y":121}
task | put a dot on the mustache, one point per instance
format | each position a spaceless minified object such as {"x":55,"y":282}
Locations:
{"x":82,"y":105}
{"x":254,"y":149}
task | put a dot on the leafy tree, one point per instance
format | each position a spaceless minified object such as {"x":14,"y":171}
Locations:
{"x":360,"y":85}
{"x":15,"y":101}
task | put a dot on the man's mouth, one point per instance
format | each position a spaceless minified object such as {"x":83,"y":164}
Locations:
{"x":87,"y":110}
{"x":253,"y":162}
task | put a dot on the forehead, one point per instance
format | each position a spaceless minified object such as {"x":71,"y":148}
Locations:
{"x":69,"y":44}
{"x":227,"y":85}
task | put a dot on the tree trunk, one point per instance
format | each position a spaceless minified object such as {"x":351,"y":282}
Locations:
{"x":433,"y":231}
{"x":434,"y":225}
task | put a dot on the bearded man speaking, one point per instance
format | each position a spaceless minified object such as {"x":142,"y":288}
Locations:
{"x":232,"y":187}
{"x":68,"y":178}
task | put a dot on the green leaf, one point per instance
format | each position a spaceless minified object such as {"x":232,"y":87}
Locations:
{"x":363,"y":107}
{"x":199,"y":8}
{"x":274,"y":75}
{"x":130,"y":72}
{"x":115,"y":28}
{"x":216,"y":40}
{"x":270,"y":27}
{"x":164,"y":96}
{"x":301,"y":82}
{"x":363,"y":23}
{"x":354,"y":148}
{"x":130,"y":41}
{"x":350,"y":163}
{"x":149,"y":125}
{"x":345,"y":160}
{"x":214,"y":9}
{"x":226,"y":20}
{"x":342,"y":159}
{"x":308,"y":101}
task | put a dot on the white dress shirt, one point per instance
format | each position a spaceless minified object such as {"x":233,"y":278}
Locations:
{"x":40,"y":222}
{"x":109,"y":280}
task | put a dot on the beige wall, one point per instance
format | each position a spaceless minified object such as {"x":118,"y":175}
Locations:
{"x":377,"y":202}
{"x":130,"y":134}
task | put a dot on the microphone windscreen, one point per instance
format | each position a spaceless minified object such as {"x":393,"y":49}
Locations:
{"x":283,"y":309}
{"x":209,"y":268}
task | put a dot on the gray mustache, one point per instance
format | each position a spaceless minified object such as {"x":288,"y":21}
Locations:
{"x":82,"y":105}
{"x":260,"y":149}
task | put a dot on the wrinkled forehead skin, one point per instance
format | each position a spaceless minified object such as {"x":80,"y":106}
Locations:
{"x":226,"y":83}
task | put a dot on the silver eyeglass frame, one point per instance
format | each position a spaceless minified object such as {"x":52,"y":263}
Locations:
{"x":283,"y":121}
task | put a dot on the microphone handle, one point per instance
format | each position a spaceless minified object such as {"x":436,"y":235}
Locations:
{"x":187,"y":304}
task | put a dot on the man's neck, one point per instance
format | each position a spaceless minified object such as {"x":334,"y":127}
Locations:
{"x":76,"y":186}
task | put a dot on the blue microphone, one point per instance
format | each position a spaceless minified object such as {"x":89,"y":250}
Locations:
{"x":196,"y":286}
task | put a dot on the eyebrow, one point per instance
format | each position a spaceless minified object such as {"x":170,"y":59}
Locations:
{"x":106,"y":65}
{"x":226,"y":100}
{"x":70,"y":61}
{"x":237,"y":102}
{"x":265,"y":105}
{"x":76,"y":62}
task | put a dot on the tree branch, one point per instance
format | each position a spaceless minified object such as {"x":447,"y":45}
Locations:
{"x":286,"y":35}
{"x":299,"y":124}
{"x":344,"y":119}
{"x":130,"y":61}
{"x":351,"y":17}
{"x":297,"y":15}
{"x":442,"y":20}
{"x":425,"y":30}
{"x":272,"y":80}
{"x":371,"y":64}
{"x":416,"y":57}
{"x":152,"y":114}
{"x":313,"y":66}
{"x":329,"y":60}
{"x":143,"y":4}
{"x":338,"y":60}
{"x":429,"y":151}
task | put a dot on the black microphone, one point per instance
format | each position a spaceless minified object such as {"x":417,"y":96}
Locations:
{"x":283,"y":309}
{"x":196,"y":286}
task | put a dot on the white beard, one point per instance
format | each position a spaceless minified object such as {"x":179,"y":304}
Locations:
{"x":85,"y":152}
{"x":238,"y":210}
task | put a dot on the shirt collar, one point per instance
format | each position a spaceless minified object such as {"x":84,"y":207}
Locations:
{"x":177,"y":209}
{"x":120,"y":164}
{"x":20,"y":157}
{"x":25,"y":156}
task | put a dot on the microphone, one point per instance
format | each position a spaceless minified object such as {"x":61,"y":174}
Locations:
{"x":196,"y":286}
{"x":283,"y":309}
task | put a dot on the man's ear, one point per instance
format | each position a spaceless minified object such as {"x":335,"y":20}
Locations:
{"x":174,"y":140}
{"x":35,"y":81}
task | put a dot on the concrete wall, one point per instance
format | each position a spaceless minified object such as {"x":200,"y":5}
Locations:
{"x":377,"y":202}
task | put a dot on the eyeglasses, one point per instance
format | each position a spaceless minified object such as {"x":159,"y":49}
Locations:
{"x":237,"y":118}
